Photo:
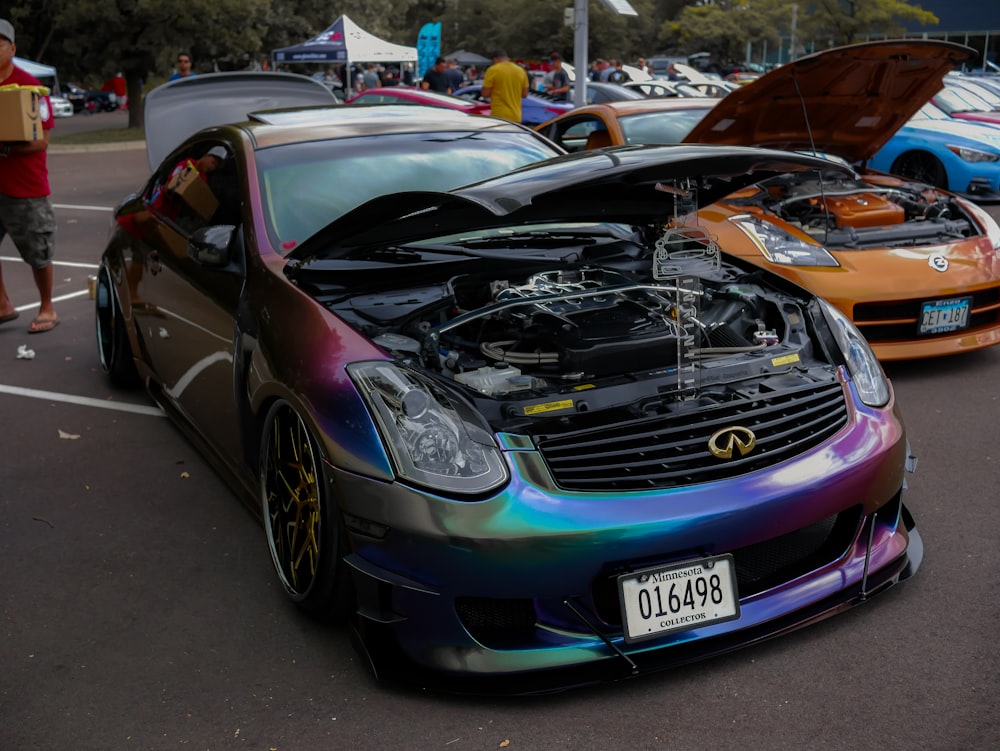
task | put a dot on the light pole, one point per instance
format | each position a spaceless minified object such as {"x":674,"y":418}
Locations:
{"x":581,"y":27}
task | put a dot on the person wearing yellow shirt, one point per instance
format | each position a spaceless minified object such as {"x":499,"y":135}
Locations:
{"x":505,"y":85}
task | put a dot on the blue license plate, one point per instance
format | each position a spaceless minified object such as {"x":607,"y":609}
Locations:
{"x":942,"y":316}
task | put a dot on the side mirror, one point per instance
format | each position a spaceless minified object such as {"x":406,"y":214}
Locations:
{"x":209,"y":246}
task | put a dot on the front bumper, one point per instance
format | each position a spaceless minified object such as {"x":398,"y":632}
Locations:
{"x":515,"y":594}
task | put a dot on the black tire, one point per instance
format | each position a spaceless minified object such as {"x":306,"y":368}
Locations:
{"x":921,"y":166}
{"x":113,"y":344}
{"x":303,"y":525}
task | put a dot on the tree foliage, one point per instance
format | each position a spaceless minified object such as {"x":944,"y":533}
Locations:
{"x":91,"y":40}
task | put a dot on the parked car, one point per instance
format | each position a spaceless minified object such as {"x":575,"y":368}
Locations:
{"x":61,"y":107}
{"x":663,"y":89}
{"x":413,"y":95}
{"x":962,"y":156}
{"x":963,"y":104}
{"x":89,"y":100}
{"x":916,"y":268}
{"x":536,"y":107}
{"x":598,"y":93}
{"x":656,"y":120}
{"x":522,"y":434}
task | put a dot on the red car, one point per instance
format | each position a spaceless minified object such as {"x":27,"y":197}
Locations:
{"x":411,"y":95}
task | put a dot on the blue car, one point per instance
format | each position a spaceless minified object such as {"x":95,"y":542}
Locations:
{"x":960,"y":156}
{"x":536,"y":108}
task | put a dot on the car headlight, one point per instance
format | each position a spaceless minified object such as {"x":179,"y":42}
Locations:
{"x":973,"y":155}
{"x":779,"y":246}
{"x":433,"y":440}
{"x":864,"y":367}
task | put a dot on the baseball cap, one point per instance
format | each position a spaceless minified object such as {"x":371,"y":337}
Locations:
{"x":7,"y":30}
{"x":218,"y":151}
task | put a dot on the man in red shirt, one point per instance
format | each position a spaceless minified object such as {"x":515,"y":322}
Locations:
{"x":25,"y":209}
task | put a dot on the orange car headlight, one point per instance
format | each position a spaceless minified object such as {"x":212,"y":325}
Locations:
{"x":779,"y":246}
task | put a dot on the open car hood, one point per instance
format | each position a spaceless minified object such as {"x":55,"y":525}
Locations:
{"x":635,"y":185}
{"x":846,"y":101}
{"x":177,"y":110}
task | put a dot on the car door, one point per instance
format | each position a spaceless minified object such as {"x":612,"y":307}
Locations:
{"x":185,"y":310}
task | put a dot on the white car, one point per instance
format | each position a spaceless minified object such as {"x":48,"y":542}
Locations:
{"x":61,"y":107}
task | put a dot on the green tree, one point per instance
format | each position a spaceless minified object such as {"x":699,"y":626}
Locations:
{"x":141,"y":38}
{"x":836,"y":22}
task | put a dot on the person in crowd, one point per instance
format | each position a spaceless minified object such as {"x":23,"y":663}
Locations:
{"x":558,"y":85}
{"x":331,"y":79}
{"x":436,"y":78}
{"x":454,"y":73}
{"x":370,"y":77}
{"x":642,"y":65}
{"x":599,"y":70}
{"x":505,"y":85}
{"x":618,"y":74}
{"x":183,"y":67}
{"x":25,"y":208}
{"x":390,"y":77}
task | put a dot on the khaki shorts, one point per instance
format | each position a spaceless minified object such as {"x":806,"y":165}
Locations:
{"x":31,"y":224}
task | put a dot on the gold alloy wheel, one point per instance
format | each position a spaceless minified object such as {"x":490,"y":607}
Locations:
{"x":291,"y":497}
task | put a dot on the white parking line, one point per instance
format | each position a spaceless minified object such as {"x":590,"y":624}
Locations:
{"x":81,"y":208}
{"x":86,"y":401}
{"x":68,"y":296}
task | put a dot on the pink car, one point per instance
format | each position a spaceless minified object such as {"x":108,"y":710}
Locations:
{"x":412,"y":95}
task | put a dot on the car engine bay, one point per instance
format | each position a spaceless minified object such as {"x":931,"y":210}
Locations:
{"x":844,"y":213}
{"x":642,"y":330}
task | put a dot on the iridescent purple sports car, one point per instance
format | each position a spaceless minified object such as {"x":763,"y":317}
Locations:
{"x":525,"y":434}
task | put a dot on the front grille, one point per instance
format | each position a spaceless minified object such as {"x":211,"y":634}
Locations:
{"x":764,"y":565}
{"x":671,"y":450}
{"x":899,"y":319}
{"x":496,"y":622}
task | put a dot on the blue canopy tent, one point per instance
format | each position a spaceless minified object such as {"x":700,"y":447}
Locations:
{"x":343,"y":43}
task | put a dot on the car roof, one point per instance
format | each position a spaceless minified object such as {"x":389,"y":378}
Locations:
{"x":348,"y":121}
{"x":626,"y":107}
{"x":275,"y":108}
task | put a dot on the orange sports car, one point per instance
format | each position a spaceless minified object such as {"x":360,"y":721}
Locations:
{"x":916,"y":268}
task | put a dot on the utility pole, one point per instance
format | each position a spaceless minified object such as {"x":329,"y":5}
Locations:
{"x":581,"y":27}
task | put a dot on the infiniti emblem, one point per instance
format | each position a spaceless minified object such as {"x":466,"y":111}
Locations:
{"x":938,"y":263}
{"x":722,"y":442}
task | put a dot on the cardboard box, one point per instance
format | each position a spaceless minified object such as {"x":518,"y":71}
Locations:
{"x":188,"y":186}
{"x":20,"y":118}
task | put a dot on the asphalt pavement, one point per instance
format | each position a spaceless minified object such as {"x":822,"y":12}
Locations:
{"x":139,"y":610}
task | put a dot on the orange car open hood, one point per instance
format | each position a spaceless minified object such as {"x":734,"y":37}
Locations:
{"x":846,"y":101}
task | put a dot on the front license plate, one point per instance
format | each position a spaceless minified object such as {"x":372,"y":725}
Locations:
{"x":941,"y":316}
{"x":683,"y":596}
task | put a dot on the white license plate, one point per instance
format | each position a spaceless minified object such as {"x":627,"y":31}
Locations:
{"x":679,"y":597}
{"x":940,"y":316}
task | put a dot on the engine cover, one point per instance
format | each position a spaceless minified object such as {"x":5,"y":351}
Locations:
{"x":864,"y":210}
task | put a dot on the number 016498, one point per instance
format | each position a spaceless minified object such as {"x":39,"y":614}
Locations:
{"x":678,"y":598}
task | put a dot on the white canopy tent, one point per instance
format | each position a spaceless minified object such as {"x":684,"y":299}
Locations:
{"x":343,"y":43}
{"x":44,"y":73}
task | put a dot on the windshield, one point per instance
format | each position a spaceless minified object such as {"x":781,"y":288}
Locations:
{"x":929,"y":112}
{"x":660,"y":127}
{"x":955,"y":100}
{"x":305,"y":186}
